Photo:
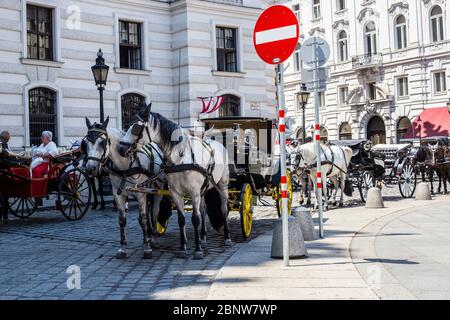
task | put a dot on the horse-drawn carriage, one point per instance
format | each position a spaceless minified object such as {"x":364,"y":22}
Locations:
{"x":367,"y":166}
{"x":253,"y":163}
{"x":21,"y":194}
{"x":418,"y":159}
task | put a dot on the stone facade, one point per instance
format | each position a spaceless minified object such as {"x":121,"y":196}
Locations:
{"x":178,"y":52}
{"x":372,"y":81}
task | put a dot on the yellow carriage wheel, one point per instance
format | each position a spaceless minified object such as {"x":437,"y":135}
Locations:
{"x":290,"y":191}
{"x":246,"y":210}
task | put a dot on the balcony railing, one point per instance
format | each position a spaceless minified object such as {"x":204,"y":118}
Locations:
{"x":367,"y":60}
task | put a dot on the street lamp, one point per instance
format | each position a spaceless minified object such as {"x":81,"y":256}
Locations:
{"x":302,"y":98}
{"x":419,"y":121}
{"x":100,"y":72}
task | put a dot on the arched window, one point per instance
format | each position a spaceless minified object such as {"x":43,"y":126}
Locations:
{"x":42,"y":114}
{"x":402,"y":127}
{"x":341,"y":5}
{"x":370,"y":33}
{"x":376,"y":130}
{"x":400,"y":32}
{"x":230,"y":107}
{"x":345,"y":131}
{"x":131,"y":104}
{"x":297,"y":57}
{"x":437,"y":24}
{"x":342,"y":46}
{"x":323,"y":134}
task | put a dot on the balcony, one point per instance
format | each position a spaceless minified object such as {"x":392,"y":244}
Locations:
{"x":367,"y":61}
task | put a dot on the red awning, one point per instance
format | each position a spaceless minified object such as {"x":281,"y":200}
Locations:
{"x":435,"y":123}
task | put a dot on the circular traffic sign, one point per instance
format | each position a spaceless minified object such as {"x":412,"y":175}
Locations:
{"x":275,"y":35}
{"x":315,"y":52}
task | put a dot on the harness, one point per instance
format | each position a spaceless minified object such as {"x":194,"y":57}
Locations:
{"x":326,"y":161}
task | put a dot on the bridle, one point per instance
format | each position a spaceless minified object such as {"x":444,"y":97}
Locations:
{"x":92,"y":136}
{"x":138,"y":131}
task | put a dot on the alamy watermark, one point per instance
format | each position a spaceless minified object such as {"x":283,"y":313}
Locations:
{"x":74,"y":19}
{"x":74,"y":278}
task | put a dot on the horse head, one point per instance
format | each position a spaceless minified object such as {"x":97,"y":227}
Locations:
{"x":95,"y":146}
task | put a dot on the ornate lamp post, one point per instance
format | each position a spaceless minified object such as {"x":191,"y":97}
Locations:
{"x":100,"y":72}
{"x":302,"y":98}
{"x":419,"y":121}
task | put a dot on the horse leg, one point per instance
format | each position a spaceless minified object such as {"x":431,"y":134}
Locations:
{"x":153,"y":219}
{"x":122,"y":252}
{"x":308,"y":190}
{"x":179,"y":203}
{"x":325,"y":190}
{"x":94,"y":193}
{"x":100,"y":190}
{"x":341,"y":200}
{"x":196,"y":198}
{"x":224,"y":208}
{"x":203,"y":227}
{"x":431,"y":177}
{"x":143,"y":221}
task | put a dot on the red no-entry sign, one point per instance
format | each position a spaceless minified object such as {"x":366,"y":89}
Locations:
{"x":276,"y":34}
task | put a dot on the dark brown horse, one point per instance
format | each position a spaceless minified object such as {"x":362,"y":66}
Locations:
{"x":440,"y":166}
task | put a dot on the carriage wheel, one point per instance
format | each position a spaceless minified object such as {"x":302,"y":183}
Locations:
{"x":407,"y":181}
{"x":290,"y":191}
{"x":365,"y":183}
{"x":22,"y":208}
{"x":74,"y":194}
{"x":246,"y":210}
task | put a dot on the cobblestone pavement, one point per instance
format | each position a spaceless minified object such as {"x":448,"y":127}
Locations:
{"x":36,"y":253}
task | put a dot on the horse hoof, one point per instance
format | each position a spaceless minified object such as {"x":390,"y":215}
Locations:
{"x":94,"y":207}
{"x":121,"y":254}
{"x":203,"y":243}
{"x":148,"y":254}
{"x":228,"y":242}
{"x":182,"y":254}
{"x":198,"y":255}
{"x":341,"y":205}
{"x":102,"y":208}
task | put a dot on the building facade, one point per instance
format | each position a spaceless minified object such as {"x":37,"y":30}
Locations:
{"x":390,"y":60}
{"x":168,"y":52}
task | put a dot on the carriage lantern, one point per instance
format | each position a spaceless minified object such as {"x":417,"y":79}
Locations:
{"x":100,"y":72}
{"x":303,"y":97}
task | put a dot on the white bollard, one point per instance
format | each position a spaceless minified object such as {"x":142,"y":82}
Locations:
{"x":423,"y":191}
{"x":306,"y":223}
{"x":297,"y":247}
{"x":374,"y":199}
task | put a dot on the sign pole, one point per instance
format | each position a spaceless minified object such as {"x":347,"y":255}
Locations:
{"x":283,"y":179}
{"x":319,"y":177}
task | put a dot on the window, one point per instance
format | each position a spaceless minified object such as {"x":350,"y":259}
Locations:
{"x":439,"y":82}
{"x":322,"y":99}
{"x":230,"y":107}
{"x":131,"y":104}
{"x":371,"y":91}
{"x":437,"y":24}
{"x":402,"y":87}
{"x":402,"y":127}
{"x":323,"y":134}
{"x":342,"y":46}
{"x":400,"y":32}
{"x":42,"y":113}
{"x":341,"y":5}
{"x":371,"y":38}
{"x":130,"y":45}
{"x":345,"y":131}
{"x":297,"y":57}
{"x":316,"y":9}
{"x":376,"y":130}
{"x":343,"y":94}
{"x":39,"y":33}
{"x":226,"y":49}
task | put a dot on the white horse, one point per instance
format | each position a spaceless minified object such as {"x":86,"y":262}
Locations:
{"x":334,"y":160}
{"x":194,"y":167}
{"x":102,"y":154}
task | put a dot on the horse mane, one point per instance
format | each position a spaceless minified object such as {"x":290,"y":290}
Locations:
{"x":166,"y":129}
